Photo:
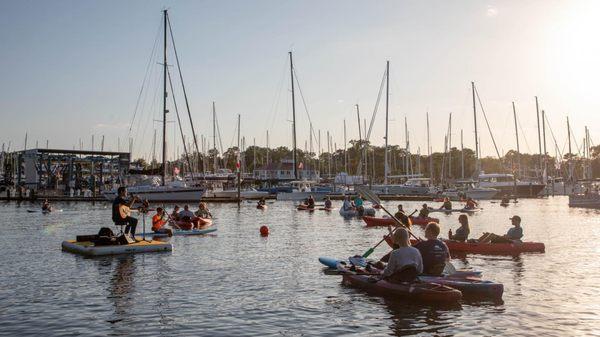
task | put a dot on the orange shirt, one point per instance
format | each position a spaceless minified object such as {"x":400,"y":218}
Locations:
{"x":157,"y":222}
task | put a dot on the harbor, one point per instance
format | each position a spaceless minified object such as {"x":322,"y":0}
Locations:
{"x":300,"y":169}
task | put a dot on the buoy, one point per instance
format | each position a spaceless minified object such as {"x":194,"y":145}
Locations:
{"x":264,"y":231}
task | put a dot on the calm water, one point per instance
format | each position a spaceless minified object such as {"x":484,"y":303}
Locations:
{"x":236,"y":282}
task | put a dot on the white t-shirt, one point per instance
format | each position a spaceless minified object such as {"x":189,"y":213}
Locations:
{"x":401,"y":257}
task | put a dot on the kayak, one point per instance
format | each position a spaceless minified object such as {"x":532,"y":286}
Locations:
{"x":87,"y":248}
{"x":43,"y":211}
{"x":487,"y":248}
{"x":179,"y":232}
{"x":468,"y":282}
{"x":462,"y":210}
{"x":495,"y":248}
{"x":417,"y":291}
{"x":332,"y":263}
{"x":353,"y":212}
{"x":302,"y":207}
{"x":416,"y":220}
{"x":188,"y":225}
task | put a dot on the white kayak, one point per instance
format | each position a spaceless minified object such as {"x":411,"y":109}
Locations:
{"x":181,"y":232}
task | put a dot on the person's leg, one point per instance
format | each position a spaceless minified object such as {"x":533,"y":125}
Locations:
{"x":131,"y":224}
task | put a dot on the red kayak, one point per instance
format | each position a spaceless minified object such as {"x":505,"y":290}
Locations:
{"x":417,"y":291}
{"x":487,"y":248}
{"x":372,"y":221}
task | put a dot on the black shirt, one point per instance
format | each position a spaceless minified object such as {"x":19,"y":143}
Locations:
{"x":116,"y":216}
{"x":434,"y":253}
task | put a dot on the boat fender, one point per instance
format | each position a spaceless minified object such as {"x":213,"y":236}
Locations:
{"x":264,"y":231}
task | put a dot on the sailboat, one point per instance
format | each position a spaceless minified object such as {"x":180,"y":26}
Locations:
{"x":154,"y":188}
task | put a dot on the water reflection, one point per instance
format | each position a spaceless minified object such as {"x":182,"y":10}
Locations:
{"x":121,"y":286}
{"x":410,"y":318}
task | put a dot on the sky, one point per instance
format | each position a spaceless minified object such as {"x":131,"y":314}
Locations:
{"x":74,"y":69}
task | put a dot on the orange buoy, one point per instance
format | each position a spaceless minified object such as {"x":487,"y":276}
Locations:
{"x":264,"y":231}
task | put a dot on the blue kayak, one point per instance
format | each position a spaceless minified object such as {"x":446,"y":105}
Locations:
{"x":180,"y":232}
{"x":468,"y":282}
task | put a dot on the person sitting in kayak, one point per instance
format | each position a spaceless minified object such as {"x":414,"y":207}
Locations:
{"x":327,"y":202}
{"x":158,"y":223}
{"x":359,"y":204}
{"x":347,"y":206}
{"x":513,"y":235}
{"x":262,"y":202}
{"x":405,"y":262}
{"x":186,"y":214}
{"x":310,"y":202}
{"x":424,"y":211}
{"x":505,"y":200}
{"x":462,"y":233}
{"x":434,"y":251}
{"x":447,"y":204}
{"x":46,"y":206}
{"x":400,"y":215}
{"x":175,"y":214}
{"x":200,"y":215}
{"x":471,"y":204}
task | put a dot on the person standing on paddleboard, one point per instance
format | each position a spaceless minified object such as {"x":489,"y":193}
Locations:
{"x":120,"y":206}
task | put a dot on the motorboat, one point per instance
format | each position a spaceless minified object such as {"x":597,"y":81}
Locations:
{"x":506,"y":183}
{"x":302,"y":189}
{"x":412,"y":186}
{"x":468,"y":189}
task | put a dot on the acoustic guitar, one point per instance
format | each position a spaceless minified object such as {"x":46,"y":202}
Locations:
{"x":125,"y":210}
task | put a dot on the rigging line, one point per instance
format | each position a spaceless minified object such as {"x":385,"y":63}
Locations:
{"x":187,"y":104}
{"x":487,"y":123}
{"x":275,"y":104}
{"x":312,"y":130}
{"x":368,"y":136}
{"x":139,"y":141}
{"x":145,"y":77}
{"x":219,"y":133}
{"x":552,"y":133}
{"x":187,"y":156}
{"x":575,"y":141}
{"x":523,"y":135}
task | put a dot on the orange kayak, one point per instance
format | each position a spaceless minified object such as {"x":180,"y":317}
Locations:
{"x":372,"y":221}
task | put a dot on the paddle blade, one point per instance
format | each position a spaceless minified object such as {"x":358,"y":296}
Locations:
{"x":368,"y":252}
{"x":368,"y":194}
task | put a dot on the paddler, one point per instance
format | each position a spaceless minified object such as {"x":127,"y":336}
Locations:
{"x":424,"y":211}
{"x":46,"y":206}
{"x":400,"y":215}
{"x":405,"y":262}
{"x":447,"y":204}
{"x":462,"y":233}
{"x":327,"y":202}
{"x":513,"y":235}
{"x":262,"y":202}
{"x":347,"y":206}
{"x":129,"y":222}
{"x":310,"y":202}
{"x":434,"y":251}
{"x":359,"y":204}
{"x":158,"y":223}
{"x":203,"y":211}
{"x":471,"y":204}
{"x":175,"y":213}
{"x":505,"y":200}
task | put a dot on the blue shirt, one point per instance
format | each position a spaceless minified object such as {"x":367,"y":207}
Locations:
{"x":515,"y":233}
{"x":434,"y":253}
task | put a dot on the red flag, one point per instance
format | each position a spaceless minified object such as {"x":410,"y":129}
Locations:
{"x":237,"y":165}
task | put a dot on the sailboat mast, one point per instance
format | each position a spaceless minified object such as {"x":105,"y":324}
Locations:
{"x":238,"y":165}
{"x":477,"y":164}
{"x":387,"y":101}
{"x":450,"y":146}
{"x":293,"y":117}
{"x":345,"y":150}
{"x":214,"y":111}
{"x":164,"y":149}
{"x":429,"y":150}
{"x":517,"y":136}
{"x":359,"y":139}
{"x":537,"y":111}
{"x":462,"y":156}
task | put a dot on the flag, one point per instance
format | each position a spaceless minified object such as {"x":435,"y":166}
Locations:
{"x":237,"y":165}
{"x":300,"y":166}
{"x":175,"y":170}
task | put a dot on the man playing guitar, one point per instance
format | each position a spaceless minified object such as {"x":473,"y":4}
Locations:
{"x":121,"y":209}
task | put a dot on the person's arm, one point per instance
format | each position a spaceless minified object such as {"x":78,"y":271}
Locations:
{"x":390,"y":268}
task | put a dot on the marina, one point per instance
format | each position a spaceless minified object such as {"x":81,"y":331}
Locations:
{"x":300,"y":169}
